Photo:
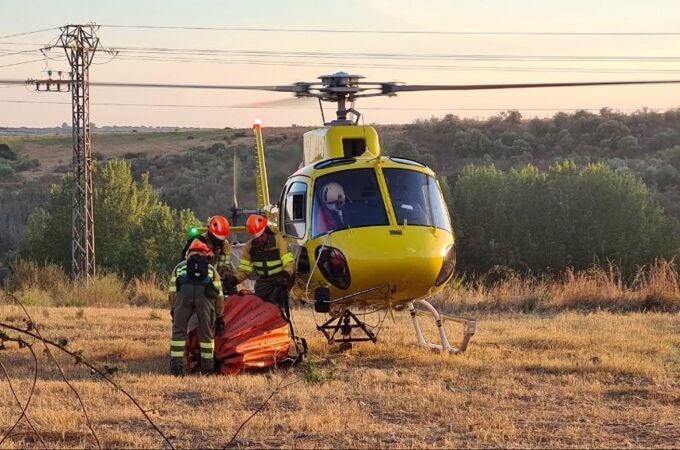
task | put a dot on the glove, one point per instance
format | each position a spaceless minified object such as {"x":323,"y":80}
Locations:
{"x":219,"y":326}
{"x":284,"y":280}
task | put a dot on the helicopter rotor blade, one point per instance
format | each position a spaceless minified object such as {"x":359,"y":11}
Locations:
{"x":292,"y":88}
{"x":393,"y":88}
{"x":284,"y":102}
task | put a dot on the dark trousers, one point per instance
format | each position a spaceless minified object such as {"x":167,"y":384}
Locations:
{"x":192,"y":299}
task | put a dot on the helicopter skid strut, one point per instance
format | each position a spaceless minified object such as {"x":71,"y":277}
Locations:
{"x":345,"y":324}
{"x":469,"y":325}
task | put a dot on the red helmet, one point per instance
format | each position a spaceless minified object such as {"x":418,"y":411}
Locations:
{"x":218,"y":226}
{"x":198,"y":246}
{"x":256,"y":224}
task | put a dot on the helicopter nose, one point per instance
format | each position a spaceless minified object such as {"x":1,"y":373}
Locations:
{"x":396,"y":267}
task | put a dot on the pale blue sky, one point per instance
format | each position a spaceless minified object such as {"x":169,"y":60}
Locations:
{"x":573,"y":16}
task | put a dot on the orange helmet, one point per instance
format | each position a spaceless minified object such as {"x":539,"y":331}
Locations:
{"x":256,"y":224}
{"x":218,"y":226}
{"x":198,"y":246}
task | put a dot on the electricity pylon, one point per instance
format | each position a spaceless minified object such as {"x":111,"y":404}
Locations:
{"x":80,"y":43}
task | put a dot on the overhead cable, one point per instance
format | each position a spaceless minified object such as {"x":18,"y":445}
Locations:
{"x":28,"y":32}
{"x":420,"y":32}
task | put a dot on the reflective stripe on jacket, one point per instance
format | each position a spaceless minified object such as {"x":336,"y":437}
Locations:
{"x":266,"y":260}
{"x":179,"y":275}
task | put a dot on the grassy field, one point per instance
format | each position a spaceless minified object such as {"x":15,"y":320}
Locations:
{"x":562,"y":380}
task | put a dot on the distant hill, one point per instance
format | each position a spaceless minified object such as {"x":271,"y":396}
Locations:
{"x":193,"y":168}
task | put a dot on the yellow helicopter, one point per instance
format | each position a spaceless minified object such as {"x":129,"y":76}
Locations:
{"x":367,"y":230}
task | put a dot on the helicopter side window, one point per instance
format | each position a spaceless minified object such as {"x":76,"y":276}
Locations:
{"x":347,"y":199}
{"x":416,"y":199}
{"x":295,"y":209}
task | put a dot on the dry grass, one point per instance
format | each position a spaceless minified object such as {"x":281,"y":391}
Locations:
{"x":655,"y":287}
{"x":148,"y":291}
{"x":48,"y":285}
{"x":566,"y":380}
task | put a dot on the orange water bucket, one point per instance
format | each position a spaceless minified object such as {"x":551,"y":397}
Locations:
{"x":256,"y":336}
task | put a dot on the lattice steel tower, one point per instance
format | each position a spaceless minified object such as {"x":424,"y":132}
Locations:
{"x":80,"y":43}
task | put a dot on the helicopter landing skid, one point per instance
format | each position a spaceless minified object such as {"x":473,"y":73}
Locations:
{"x":345,"y":324}
{"x":469,"y":325}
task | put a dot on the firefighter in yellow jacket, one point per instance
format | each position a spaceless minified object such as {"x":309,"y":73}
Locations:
{"x":267,"y":255}
{"x":195,"y":287}
{"x":217,"y":240}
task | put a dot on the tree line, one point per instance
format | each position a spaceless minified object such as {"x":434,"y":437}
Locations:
{"x":535,"y":195}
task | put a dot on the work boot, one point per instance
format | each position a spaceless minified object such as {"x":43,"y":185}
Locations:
{"x":177,"y":367}
{"x":207,"y":366}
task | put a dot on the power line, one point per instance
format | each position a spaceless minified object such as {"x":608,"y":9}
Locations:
{"x":404,"y":56}
{"x":28,"y":32}
{"x":21,"y":43}
{"x":416,"y":32}
{"x":295,"y":63}
{"x":140,"y":56}
{"x":11,"y":53}
{"x":23,"y":62}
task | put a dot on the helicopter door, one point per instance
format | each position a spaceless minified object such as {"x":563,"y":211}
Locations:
{"x":295,"y":210}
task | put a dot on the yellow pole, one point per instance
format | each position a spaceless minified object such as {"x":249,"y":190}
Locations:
{"x":261,"y":168}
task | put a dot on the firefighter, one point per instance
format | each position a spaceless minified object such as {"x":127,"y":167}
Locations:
{"x":217,"y":239}
{"x":195,"y":287}
{"x":267,"y":255}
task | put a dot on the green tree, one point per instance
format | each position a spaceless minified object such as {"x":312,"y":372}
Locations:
{"x":135,"y":232}
{"x":538,"y":222}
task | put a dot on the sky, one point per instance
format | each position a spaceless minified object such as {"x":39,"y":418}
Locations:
{"x":413,"y":58}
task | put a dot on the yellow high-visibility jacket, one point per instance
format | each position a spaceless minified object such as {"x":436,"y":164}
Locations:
{"x":266,"y":260}
{"x":180,"y":272}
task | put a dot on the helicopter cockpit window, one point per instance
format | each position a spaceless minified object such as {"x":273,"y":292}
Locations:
{"x":347,"y":199}
{"x":294,"y":210}
{"x":353,"y":147}
{"x":416,"y":199}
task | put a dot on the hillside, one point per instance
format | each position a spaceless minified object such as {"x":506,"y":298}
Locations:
{"x":193,"y":169}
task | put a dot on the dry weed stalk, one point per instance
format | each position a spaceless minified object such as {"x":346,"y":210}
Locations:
{"x":33,"y":332}
{"x":654,"y":286}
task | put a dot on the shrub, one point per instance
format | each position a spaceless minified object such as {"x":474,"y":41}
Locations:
{"x":7,"y":153}
{"x":6,"y":170}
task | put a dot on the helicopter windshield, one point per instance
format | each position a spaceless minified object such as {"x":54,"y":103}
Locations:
{"x":347,"y":199}
{"x":416,"y":199}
